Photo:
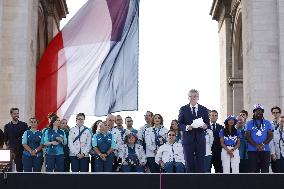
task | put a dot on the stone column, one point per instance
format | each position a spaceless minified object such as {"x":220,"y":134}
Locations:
{"x":261,"y":54}
{"x":281,"y":49}
{"x":226,"y":93}
{"x":237,"y":98}
{"x":18,"y":32}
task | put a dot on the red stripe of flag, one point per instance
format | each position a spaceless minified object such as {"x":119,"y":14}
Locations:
{"x":47,"y":81}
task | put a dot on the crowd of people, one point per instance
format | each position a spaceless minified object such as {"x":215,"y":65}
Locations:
{"x":194,"y":143}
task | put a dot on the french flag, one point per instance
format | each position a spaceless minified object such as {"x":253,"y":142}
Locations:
{"x":91,"y":66}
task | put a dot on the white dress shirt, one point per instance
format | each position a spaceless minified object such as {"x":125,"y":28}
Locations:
{"x":168,"y":152}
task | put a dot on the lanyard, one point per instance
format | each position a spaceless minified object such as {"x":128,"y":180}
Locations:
{"x":281,"y":139}
{"x":173,"y":152}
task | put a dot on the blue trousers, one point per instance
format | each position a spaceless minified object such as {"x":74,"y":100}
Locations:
{"x":81,"y":165}
{"x":32,"y":163}
{"x":55,"y":163}
{"x":137,"y":168}
{"x":178,"y":166}
{"x":104,"y":166}
{"x":207,"y":163}
{"x":196,"y":149}
{"x":153,"y":166}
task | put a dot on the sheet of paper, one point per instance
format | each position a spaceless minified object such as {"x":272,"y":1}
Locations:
{"x":197,"y":123}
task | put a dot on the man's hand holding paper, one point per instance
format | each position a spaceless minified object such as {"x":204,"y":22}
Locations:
{"x":197,"y":123}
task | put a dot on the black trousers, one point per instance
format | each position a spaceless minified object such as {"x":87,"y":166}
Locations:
{"x":244,"y":166}
{"x":18,"y":160}
{"x":259,"y":161}
{"x":216,"y":161}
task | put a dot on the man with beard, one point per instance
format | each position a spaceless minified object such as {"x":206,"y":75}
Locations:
{"x":13,"y":132}
{"x":258,"y":134}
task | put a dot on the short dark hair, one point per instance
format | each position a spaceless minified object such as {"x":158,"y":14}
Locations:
{"x":215,"y":111}
{"x":80,"y":114}
{"x":171,"y":131}
{"x":13,"y":109}
{"x":127,"y":118}
{"x":150,"y":113}
{"x":277,"y":108}
{"x":244,"y":112}
{"x":34,"y":119}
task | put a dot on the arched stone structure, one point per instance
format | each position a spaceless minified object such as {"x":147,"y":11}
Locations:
{"x":251,"y":37}
{"x":26,"y":27}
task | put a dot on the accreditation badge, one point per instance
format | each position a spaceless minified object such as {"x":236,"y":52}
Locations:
{"x":258,"y":133}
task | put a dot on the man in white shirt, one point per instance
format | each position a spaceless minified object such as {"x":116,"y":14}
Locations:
{"x":170,"y":155}
{"x":79,"y":143}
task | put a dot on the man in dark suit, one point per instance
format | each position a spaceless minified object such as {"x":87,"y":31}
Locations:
{"x":13,"y":132}
{"x":216,"y":146}
{"x":193,"y":140}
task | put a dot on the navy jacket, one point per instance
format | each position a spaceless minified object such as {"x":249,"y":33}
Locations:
{"x":186,"y":118}
{"x":216,"y":146}
{"x":13,"y":135}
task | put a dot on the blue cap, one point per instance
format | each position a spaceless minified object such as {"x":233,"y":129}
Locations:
{"x":258,"y":106}
{"x":231,"y":117}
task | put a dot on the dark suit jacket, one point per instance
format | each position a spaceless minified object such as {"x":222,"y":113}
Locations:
{"x":13,"y":135}
{"x":216,"y":146}
{"x":186,"y":118}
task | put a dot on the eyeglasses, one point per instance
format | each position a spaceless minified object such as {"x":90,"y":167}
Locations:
{"x":171,"y":135}
{"x":275,"y":112}
{"x":130,"y":121}
{"x":193,"y":96}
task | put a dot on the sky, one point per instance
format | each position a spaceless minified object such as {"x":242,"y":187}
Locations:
{"x":178,"y":51}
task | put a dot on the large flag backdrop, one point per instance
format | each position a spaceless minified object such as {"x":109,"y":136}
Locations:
{"x":91,"y":66}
